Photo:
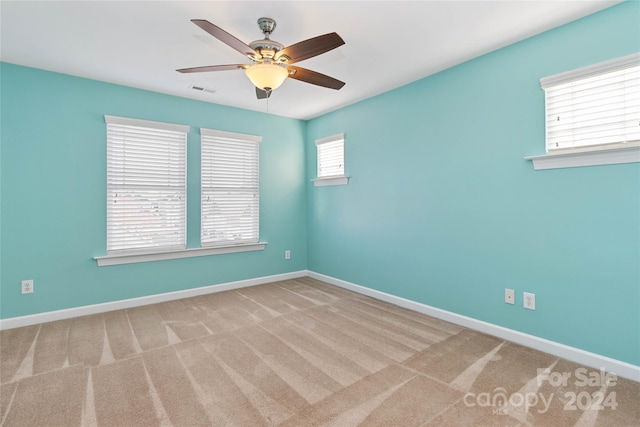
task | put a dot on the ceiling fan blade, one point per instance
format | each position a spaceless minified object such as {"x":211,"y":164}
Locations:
{"x":225,"y":37}
{"x":314,"y":78}
{"x":311,"y":47}
{"x":212,"y":68}
{"x":262,"y":94}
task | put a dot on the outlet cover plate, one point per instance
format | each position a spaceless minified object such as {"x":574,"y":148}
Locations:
{"x":27,"y":286}
{"x":509,"y":296}
{"x":529,"y":301}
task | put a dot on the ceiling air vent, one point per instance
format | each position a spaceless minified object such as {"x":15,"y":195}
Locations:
{"x":202,"y":89}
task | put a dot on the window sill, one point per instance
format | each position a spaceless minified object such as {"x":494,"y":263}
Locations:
{"x":586,"y":158}
{"x":332,"y":180}
{"x":104,"y":261}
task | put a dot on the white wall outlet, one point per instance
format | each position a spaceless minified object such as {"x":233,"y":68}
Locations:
{"x":529,"y":301}
{"x":287,"y":254}
{"x":509,"y":296}
{"x":27,"y":286}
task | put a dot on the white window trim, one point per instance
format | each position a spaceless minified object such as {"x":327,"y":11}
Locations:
{"x":612,"y":156}
{"x":144,"y":255}
{"x":126,"y":121}
{"x":105,"y":261}
{"x":595,"y":155}
{"x":230,"y":135}
{"x":331,"y":180}
{"x":590,"y":70}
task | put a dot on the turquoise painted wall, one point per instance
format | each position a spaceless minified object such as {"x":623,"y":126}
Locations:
{"x":442,"y":208}
{"x":53,"y":187}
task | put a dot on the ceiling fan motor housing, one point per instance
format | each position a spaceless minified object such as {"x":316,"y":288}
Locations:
{"x":266,"y":47}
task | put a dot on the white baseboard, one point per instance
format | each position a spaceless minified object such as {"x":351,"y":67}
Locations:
{"x":50,"y":316}
{"x":577,"y":355}
{"x":586,"y":358}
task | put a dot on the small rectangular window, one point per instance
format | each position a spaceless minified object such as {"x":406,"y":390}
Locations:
{"x":229,"y":188}
{"x":331,"y":156}
{"x":146,"y":186}
{"x":594,"y":107}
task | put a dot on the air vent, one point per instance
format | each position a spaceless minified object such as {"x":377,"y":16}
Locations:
{"x":202,"y":89}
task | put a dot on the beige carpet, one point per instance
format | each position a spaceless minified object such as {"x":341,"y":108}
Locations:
{"x":294,"y":353}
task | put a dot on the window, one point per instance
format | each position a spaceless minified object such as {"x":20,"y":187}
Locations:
{"x":146,"y":186}
{"x":331,"y":161}
{"x":595,"y":106}
{"x":230,"y":191}
{"x":592,"y":115}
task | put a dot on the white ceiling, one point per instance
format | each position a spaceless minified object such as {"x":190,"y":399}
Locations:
{"x":388,"y":43}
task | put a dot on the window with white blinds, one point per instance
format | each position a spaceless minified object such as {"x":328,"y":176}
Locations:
{"x":229,"y":188}
{"x":146,"y":186}
{"x":593,"y":107}
{"x":330,"y":156}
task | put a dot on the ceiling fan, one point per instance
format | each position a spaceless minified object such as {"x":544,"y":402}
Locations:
{"x":271,"y":60}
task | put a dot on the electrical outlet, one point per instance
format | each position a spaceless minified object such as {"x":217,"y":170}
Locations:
{"x":287,"y":254}
{"x":509,"y":296}
{"x":529,"y":301}
{"x":27,"y":286}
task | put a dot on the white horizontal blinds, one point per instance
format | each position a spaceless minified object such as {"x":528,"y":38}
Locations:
{"x":146,"y":185}
{"x":229,"y":188}
{"x":330,"y":156}
{"x":598,"y":105}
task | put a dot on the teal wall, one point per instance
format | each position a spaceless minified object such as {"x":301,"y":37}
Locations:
{"x":441,"y":207}
{"x":53,"y":190}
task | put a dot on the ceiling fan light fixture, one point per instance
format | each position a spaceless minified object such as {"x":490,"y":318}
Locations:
{"x":266,"y":76}
{"x":271,"y":59}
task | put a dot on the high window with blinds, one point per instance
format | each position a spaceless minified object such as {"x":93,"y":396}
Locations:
{"x":330,"y":156}
{"x":229,"y":188}
{"x":593,"y":107}
{"x":146,"y":186}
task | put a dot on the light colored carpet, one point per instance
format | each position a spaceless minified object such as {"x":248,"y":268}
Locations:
{"x":293,"y":353}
